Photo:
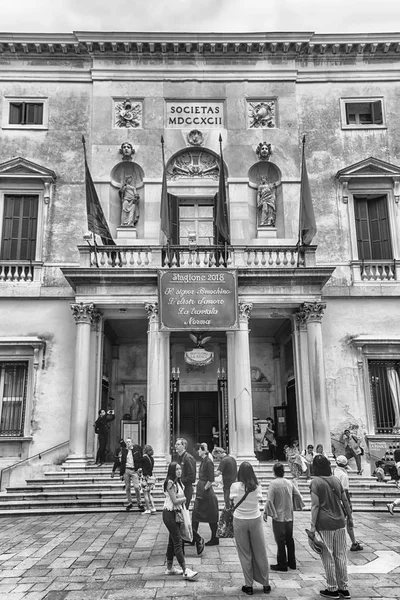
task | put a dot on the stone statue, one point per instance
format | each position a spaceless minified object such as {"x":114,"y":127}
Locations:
{"x":264,"y":151}
{"x":266,"y":203}
{"x":127,"y":151}
{"x":130,"y":203}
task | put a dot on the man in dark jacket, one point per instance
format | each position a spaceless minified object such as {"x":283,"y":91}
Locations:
{"x":227,"y":468}
{"x":188,"y":464}
{"x":101,"y":428}
{"x":131,"y":464}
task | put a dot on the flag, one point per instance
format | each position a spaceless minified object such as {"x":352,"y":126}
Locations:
{"x":165,"y":233}
{"x":221,"y":217}
{"x":96,"y":220}
{"x":307,"y":225}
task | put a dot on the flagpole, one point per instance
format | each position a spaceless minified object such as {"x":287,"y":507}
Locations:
{"x":221,"y":166}
{"x":299,"y":240}
{"x":163,"y":162}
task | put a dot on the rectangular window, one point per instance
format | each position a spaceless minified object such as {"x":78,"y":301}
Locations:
{"x":372,"y":227}
{"x":18,"y":240}
{"x":196,"y":218}
{"x":384,"y":384}
{"x":13,"y":385}
{"x":26,"y":113}
{"x":362,"y":112}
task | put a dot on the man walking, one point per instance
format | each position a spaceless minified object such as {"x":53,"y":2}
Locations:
{"x":282,"y":498}
{"x":188,"y":464}
{"x":227,"y":469}
{"x":131,"y":463}
{"x":341,"y":473}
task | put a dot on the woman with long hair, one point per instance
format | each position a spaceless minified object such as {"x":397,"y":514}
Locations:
{"x":248,"y":529}
{"x":148,"y":481}
{"x":174,"y":500}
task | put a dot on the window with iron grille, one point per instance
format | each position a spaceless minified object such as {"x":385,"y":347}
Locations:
{"x":384,"y":381}
{"x":13,"y":385}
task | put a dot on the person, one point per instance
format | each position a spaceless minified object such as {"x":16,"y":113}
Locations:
{"x":269,"y":438}
{"x":117,"y":457}
{"x":352,"y":448}
{"x":328,"y":518}
{"x":174,"y":499}
{"x":101,"y":428}
{"x":131,"y":465}
{"x":227,"y":470}
{"x":282,"y":497}
{"x":188,"y":464}
{"x":248,"y":530}
{"x":379,"y":472}
{"x":258,"y":438}
{"x":296,"y":463}
{"x":309,"y":456}
{"x":147,"y":480}
{"x":205,"y":509}
{"x":130,"y":203}
{"x":215,"y":435}
{"x":340,"y":472}
{"x":319,"y":449}
{"x":266,"y":199}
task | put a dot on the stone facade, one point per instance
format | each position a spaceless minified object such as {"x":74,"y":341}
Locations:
{"x":318,"y":317}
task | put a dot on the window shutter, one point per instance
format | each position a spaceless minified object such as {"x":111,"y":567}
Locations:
{"x":34,"y":114}
{"x":379,"y":227}
{"x":362,"y":228}
{"x":376,"y":108}
{"x":19,"y":228}
{"x":16,"y":113}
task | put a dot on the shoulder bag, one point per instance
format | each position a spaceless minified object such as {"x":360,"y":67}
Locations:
{"x":225,"y":523}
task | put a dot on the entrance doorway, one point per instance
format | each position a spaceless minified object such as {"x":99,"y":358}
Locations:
{"x":198,"y":412}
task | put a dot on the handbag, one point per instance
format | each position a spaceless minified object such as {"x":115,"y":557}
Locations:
{"x":185,"y":524}
{"x":225,"y":523}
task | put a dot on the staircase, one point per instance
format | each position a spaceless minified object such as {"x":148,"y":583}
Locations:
{"x":90,"y":489}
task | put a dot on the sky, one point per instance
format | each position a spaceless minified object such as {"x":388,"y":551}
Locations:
{"x":320,"y":16}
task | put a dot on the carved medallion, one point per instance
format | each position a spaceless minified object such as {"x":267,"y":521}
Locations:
{"x":264,"y":151}
{"x":261,"y":114}
{"x":195,"y":138}
{"x":128,"y":114}
{"x":194,"y":164}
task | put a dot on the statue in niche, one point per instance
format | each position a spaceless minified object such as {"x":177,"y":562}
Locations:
{"x":263,"y":151}
{"x":130,"y":203}
{"x":127,"y":151}
{"x":138,"y":407}
{"x":266,"y":203}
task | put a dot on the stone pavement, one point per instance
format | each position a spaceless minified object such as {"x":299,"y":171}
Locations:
{"x":116,"y":556}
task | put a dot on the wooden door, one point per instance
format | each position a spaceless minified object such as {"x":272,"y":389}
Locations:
{"x":198,"y":412}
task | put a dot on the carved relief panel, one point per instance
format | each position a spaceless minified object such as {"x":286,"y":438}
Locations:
{"x":128,"y":114}
{"x":261,"y":114}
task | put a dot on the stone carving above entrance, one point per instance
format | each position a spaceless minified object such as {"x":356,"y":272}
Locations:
{"x":195,"y":138}
{"x":261,"y":114}
{"x":194,"y":164}
{"x":128,"y":114}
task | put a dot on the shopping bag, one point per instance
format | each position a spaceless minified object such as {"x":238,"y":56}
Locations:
{"x":186,"y":525}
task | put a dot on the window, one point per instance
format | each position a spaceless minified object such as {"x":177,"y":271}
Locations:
{"x":362,"y":112}
{"x":18,"y":240}
{"x":13,"y":386}
{"x":25,"y":113}
{"x":196,"y":219}
{"x":372,"y":226}
{"x":385,"y":393}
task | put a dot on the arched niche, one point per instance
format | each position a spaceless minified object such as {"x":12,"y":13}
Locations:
{"x":118,"y":174}
{"x":273,"y":174}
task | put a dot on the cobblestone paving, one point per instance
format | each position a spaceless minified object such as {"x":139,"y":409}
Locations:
{"x":116,"y":556}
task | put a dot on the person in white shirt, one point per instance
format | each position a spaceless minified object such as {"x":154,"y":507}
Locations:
{"x":340,"y":472}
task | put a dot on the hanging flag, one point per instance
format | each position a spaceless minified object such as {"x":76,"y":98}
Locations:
{"x":221,"y":216}
{"x":165,"y":233}
{"x":307,"y":224}
{"x":97,"y":223}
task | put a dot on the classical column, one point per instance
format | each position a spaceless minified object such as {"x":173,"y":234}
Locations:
{"x":231,"y":369}
{"x":243,"y":398}
{"x":276,"y":357}
{"x":83,"y":315}
{"x":312,"y":313}
{"x":157,"y":385}
{"x":302,"y":379}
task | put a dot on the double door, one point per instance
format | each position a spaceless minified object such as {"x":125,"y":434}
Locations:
{"x":198,"y":412}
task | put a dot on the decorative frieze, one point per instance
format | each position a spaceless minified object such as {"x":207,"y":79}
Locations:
{"x":83,"y":313}
{"x":194,"y":164}
{"x":128,"y":114}
{"x":261,"y":114}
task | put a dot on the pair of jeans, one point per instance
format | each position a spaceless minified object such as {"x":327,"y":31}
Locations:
{"x":175,"y":542}
{"x":102,"y":451}
{"x":283,"y":534}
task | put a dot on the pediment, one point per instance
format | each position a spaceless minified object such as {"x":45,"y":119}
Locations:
{"x":370,"y":167}
{"x":22,"y":168}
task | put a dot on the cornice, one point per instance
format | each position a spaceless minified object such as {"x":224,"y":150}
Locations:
{"x":133,"y":43}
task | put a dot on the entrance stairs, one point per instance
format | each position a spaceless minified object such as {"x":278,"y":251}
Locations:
{"x":90,"y":488}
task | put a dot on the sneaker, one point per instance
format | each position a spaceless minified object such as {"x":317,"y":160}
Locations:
{"x":146,"y":512}
{"x":354,"y":548}
{"x":189,"y":574}
{"x":329,"y":594}
{"x":200,"y":546}
{"x":141,"y":508}
{"x":129,"y":507}
{"x":174,"y":571}
{"x":390,"y":508}
{"x":153,"y":511}
{"x":112,"y":475}
{"x":344,"y":593}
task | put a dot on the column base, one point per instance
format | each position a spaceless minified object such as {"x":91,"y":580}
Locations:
{"x":247,"y":458}
{"x":75,"y":461}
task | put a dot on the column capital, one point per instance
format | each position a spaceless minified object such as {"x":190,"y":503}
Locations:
{"x":245,"y":309}
{"x":299,"y":321}
{"x":312,"y":312}
{"x":83,"y":313}
{"x":151,"y":309}
{"x":96,"y":318}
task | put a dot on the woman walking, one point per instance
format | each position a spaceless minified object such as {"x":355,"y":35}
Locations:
{"x":205,"y":508}
{"x":174,"y":500}
{"x":148,"y":481}
{"x":248,"y":529}
{"x":327,"y":517}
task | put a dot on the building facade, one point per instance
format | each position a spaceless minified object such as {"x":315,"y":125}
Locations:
{"x":310,"y":335}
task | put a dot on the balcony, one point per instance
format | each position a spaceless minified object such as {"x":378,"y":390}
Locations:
{"x":19,"y":271}
{"x":375,"y":270}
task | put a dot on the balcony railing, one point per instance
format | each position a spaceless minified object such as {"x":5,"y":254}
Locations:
{"x":372,"y":270}
{"x":19,"y":271}
{"x":146,"y":257}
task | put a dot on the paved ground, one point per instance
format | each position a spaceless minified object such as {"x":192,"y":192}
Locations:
{"x":116,"y":556}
